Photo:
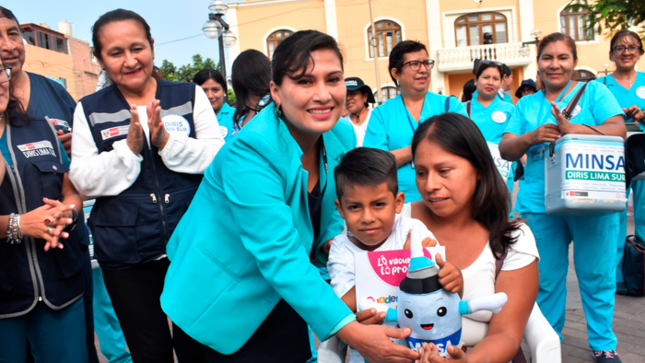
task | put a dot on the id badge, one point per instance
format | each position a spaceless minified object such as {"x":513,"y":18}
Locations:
{"x":536,"y":153}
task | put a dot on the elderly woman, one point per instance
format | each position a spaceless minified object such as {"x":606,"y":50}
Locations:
{"x":392,"y":124}
{"x":359,"y":97}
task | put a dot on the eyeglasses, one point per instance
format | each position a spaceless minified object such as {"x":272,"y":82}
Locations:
{"x":416,"y":64}
{"x":621,"y":49}
{"x":5,"y":74}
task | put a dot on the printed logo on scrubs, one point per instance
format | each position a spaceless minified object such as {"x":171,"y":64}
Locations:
{"x":114,"y":132}
{"x":176,"y":124}
{"x":224,"y":131}
{"x":40,"y":148}
{"x":640,"y":92}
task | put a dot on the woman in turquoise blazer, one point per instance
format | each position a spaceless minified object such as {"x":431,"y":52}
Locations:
{"x":242,"y":279}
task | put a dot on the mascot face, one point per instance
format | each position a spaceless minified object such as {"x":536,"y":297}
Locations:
{"x":430,"y":316}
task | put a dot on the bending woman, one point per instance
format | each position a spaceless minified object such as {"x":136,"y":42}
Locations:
{"x":140,"y":148}
{"x":392,"y":124}
{"x":536,"y":122}
{"x":269,"y":199}
{"x":465,"y":204}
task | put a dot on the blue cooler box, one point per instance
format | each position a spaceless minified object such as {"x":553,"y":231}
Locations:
{"x":585,"y":175}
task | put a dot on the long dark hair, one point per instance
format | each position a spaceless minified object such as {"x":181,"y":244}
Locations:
{"x":115,"y":16}
{"x":205,"y":74}
{"x":251,"y":76}
{"x":14,"y":114}
{"x":460,"y":136}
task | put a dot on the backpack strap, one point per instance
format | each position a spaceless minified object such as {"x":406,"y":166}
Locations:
{"x":447,"y":105}
{"x":468,"y":109}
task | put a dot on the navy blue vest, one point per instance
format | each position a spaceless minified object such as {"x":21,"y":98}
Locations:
{"x":27,"y":272}
{"x":134,"y":227}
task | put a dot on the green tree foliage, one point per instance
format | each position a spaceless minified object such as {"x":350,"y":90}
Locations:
{"x":186,"y":72}
{"x":610,"y":16}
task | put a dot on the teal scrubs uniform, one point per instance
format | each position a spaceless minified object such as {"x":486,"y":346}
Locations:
{"x":594,"y":236}
{"x":492,"y":121}
{"x":626,"y":98}
{"x":391,"y":128}
{"x":505,"y":97}
{"x":225,"y":121}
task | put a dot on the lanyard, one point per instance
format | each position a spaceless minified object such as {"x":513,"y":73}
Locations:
{"x":561,"y":93}
{"x":407,"y":113}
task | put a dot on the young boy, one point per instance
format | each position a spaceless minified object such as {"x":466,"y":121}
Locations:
{"x":368,"y":200}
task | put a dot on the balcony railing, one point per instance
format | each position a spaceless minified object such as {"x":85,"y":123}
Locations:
{"x":462,"y":58}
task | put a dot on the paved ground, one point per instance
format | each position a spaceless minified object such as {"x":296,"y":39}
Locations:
{"x":629,"y":324}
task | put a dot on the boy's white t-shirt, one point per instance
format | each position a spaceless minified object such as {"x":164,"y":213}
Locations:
{"x":341,"y":265}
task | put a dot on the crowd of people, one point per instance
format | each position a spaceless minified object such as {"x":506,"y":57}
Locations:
{"x":241,"y":224}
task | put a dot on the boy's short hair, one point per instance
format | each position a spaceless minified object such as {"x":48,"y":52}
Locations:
{"x":366,"y":166}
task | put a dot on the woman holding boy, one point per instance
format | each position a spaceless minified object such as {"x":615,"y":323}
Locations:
{"x":263,"y":286}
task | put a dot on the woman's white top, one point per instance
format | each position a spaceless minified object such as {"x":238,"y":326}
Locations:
{"x":479,"y":277}
{"x":360,"y":130}
{"x":110,"y":173}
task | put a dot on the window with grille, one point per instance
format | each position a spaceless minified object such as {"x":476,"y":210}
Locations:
{"x":275,"y":38}
{"x":481,"y":28}
{"x":388,"y":92}
{"x":388,"y":34}
{"x":573,"y":23}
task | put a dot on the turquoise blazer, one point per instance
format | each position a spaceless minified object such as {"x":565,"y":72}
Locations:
{"x":247,"y":241}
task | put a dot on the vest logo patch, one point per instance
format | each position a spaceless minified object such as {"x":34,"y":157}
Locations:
{"x":39,"y":148}
{"x":115,"y":131}
{"x":176,"y":124}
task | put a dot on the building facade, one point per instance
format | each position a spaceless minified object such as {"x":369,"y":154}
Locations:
{"x":56,"y":54}
{"x":455,"y":31}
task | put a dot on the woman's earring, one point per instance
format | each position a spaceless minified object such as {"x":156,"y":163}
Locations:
{"x":398,"y":84}
{"x":279,"y":111}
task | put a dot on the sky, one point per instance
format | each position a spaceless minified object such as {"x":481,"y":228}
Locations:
{"x":176,"y":25}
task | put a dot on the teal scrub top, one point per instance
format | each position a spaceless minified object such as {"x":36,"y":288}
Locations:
{"x":505,"y":98}
{"x":596,"y":106}
{"x":391,"y":127}
{"x":225,"y":120}
{"x":627,"y":97}
{"x":491,"y":120}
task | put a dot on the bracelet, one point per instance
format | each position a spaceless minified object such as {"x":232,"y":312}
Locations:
{"x":14,"y":233}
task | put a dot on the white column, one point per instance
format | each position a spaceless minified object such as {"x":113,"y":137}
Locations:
{"x":433,"y":18}
{"x":234,"y":51}
{"x":330,"y":18}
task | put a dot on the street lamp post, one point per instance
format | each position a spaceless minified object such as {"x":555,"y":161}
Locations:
{"x":216,"y":27}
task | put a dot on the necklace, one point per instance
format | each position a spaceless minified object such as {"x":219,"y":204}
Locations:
{"x":630,"y":81}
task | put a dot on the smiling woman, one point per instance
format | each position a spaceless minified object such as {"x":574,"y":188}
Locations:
{"x":392,"y":124}
{"x":140,"y":148}
{"x":269,"y":199}
{"x":536,"y":122}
